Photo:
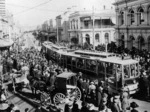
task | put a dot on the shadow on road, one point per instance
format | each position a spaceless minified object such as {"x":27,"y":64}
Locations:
{"x":141,"y":97}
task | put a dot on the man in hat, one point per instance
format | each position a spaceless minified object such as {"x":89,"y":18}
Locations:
{"x":146,"y":84}
{"x":116,"y":106}
{"x":92,"y":89}
{"x":134,"y":105}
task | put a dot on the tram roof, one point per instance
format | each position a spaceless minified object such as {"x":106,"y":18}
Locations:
{"x":95,"y":53}
{"x":114,"y":59}
{"x":72,"y":54}
{"x":59,"y":47}
{"x":66,"y":75}
{"x":47,"y":43}
{"x":118,"y":60}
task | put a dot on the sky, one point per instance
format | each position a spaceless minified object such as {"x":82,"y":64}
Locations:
{"x":35,"y":12}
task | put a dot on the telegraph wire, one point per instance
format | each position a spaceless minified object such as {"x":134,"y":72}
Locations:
{"x":32,"y":8}
{"x":47,"y":9}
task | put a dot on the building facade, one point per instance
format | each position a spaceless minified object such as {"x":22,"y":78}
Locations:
{"x":133,"y":23}
{"x":65,"y":34}
{"x":81,"y":26}
{"x":2,"y":8}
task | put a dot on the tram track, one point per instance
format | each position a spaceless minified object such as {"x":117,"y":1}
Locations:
{"x":19,"y":98}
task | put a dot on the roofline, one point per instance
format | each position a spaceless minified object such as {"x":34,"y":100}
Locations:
{"x":123,"y":1}
{"x":101,"y":13}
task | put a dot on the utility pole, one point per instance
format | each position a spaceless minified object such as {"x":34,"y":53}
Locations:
{"x":93,"y":30}
{"x":57,"y":30}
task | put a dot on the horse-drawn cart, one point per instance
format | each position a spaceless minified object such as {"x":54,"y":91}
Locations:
{"x":66,"y":88}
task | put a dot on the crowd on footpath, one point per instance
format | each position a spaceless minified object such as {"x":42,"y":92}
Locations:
{"x":31,"y":62}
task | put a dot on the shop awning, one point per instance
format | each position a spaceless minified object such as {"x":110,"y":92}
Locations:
{"x":5,"y":42}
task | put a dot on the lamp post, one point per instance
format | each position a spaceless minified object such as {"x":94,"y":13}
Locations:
{"x":93,"y":30}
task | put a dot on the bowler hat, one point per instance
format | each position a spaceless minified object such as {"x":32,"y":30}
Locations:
{"x":134,"y":105}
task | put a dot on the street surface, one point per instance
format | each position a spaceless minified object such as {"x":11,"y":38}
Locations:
{"x":30,"y":42}
{"x":20,"y":102}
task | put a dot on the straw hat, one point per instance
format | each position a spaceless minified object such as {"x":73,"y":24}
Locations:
{"x":116,"y":97}
{"x":92,"y":82}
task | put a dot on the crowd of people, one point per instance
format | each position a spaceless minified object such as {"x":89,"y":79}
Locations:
{"x":33,"y":64}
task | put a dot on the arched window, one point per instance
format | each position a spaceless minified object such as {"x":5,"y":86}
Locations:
{"x":97,"y":37}
{"x":70,"y":24}
{"x":122,"y":41}
{"x":131,"y":39}
{"x":149,"y":43}
{"x":106,"y":38}
{"x":121,"y":18}
{"x":87,"y":38}
{"x":77,"y":24}
{"x":140,"y":42}
{"x":132,"y":17}
{"x":140,"y":15}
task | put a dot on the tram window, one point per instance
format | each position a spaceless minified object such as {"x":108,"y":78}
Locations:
{"x":132,"y":68}
{"x":62,"y":57}
{"x":101,"y":67}
{"x":73,"y":61}
{"x":126,"y":71}
{"x":109,"y":68}
{"x":69,"y":60}
{"x":118,"y":72}
{"x":111,"y":79}
{"x":87,"y":64}
{"x":137,"y":69}
{"x":80,"y":63}
{"x":57,"y":56}
{"x":91,"y":65}
{"x":54,"y":55}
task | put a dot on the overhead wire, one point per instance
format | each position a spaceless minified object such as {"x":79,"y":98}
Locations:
{"x":45,"y":9}
{"x":32,"y":7}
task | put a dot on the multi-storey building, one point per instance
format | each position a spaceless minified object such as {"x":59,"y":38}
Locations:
{"x":81,"y":26}
{"x":133,"y":23}
{"x":2,"y":8}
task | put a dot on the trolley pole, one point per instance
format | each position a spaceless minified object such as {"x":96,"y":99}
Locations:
{"x":93,"y":30}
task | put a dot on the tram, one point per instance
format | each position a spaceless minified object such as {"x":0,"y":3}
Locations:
{"x":119,"y":73}
{"x":115,"y":72}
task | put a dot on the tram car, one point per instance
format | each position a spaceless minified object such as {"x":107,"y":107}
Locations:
{"x":115,"y":72}
{"x":119,"y":74}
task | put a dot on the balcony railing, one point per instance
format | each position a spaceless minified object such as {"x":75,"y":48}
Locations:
{"x":102,"y":26}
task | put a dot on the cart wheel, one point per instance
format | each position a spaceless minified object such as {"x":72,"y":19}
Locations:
{"x":45,"y":99}
{"x":59,"y":98}
{"x":77,"y":94}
